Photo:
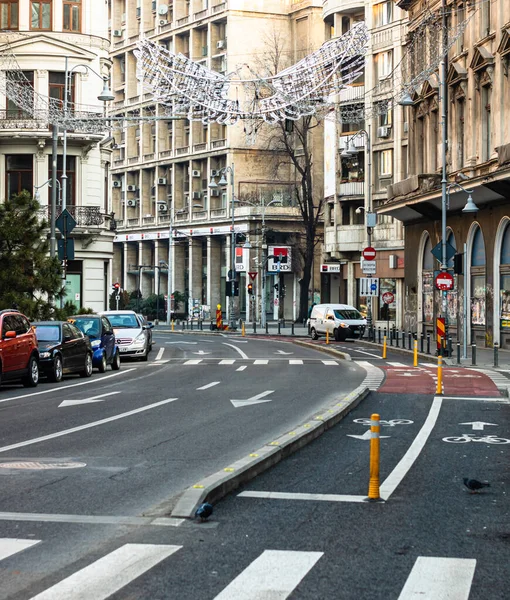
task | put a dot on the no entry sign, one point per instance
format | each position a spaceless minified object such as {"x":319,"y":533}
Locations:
{"x":444,"y":281}
{"x":369,"y":253}
{"x":388,"y":298}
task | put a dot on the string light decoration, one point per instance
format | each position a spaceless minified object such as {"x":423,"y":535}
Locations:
{"x":200,"y":94}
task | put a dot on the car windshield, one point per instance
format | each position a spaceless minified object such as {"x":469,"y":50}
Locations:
{"x":47,"y":333}
{"x":123,"y":321}
{"x":88,"y":326}
{"x":345,"y":313}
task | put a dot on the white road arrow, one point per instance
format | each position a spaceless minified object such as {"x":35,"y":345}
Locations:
{"x":253,"y":400}
{"x":367,"y":435}
{"x":201,"y":352}
{"x":282,"y":352}
{"x":478,"y":425}
{"x":407,"y":374}
{"x":87,"y":400}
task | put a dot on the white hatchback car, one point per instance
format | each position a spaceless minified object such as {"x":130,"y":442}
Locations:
{"x":131,"y":336}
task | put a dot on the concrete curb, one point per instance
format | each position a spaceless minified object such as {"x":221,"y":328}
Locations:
{"x":219,"y":484}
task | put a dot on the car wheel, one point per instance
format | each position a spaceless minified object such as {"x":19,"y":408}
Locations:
{"x":102,"y":364}
{"x":145,"y":355}
{"x":87,"y":371}
{"x":32,"y":378}
{"x":313,"y":333}
{"x":116,"y":361}
{"x":336,"y":333}
{"x":57,"y":371}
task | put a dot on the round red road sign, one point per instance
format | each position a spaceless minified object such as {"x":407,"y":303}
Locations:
{"x":388,"y":297}
{"x":369,"y":253}
{"x":444,"y":281}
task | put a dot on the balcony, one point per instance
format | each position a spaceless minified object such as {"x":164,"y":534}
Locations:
{"x":200,"y":15}
{"x":199,"y":215}
{"x":85,"y":216}
{"x":149,"y":156}
{"x":353,"y":93}
{"x":149,"y":220}
{"x":218,"y":144}
{"x":217,"y":213}
{"x":344,"y":238}
{"x":181,"y":151}
{"x":183,"y":21}
{"x":352,"y":188}
{"x":17,"y":119}
{"x":133,"y":222}
{"x":202,"y":147}
{"x":133,"y":160}
{"x":165,"y":153}
{"x":219,"y":7}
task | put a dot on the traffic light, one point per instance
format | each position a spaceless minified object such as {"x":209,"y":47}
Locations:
{"x":116,"y":287}
{"x":250,"y":288}
{"x":228,"y":288}
{"x":458,"y":260}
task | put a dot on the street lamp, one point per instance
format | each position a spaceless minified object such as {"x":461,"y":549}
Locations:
{"x":53,"y":210}
{"x":223,"y":183}
{"x":105,"y":96}
{"x":370,"y":216}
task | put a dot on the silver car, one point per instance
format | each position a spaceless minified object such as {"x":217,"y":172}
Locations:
{"x":131,"y":336}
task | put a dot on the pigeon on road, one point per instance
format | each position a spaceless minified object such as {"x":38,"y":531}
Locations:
{"x":474,"y":486}
{"x":204,"y":511}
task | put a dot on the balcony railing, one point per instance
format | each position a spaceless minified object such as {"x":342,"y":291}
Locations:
{"x":200,"y":147}
{"x":17,"y":119}
{"x":85,"y":216}
{"x":200,"y":15}
{"x":165,"y":153}
{"x":148,"y":156}
{"x":352,"y":188}
{"x":149,"y":220}
{"x":218,"y":212}
{"x":218,"y":143}
{"x":132,"y":222}
{"x":199,"y":215}
{"x":133,"y":160}
{"x":219,"y":7}
{"x":183,"y":21}
{"x":183,"y":150}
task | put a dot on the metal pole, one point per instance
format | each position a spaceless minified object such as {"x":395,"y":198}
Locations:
{"x":444,"y":134}
{"x":465,"y":316}
{"x":369,"y":229}
{"x":53,"y":205}
{"x":232,"y":251}
{"x":263,"y":273}
{"x":64,"y":139}
{"x":169,"y":269}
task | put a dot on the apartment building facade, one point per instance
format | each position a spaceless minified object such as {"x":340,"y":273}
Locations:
{"x":477,"y":145}
{"x":41,"y":36}
{"x":163,"y":165}
{"x":363,"y":156}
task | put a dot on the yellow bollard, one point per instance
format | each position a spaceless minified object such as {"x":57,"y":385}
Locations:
{"x":373,"y":486}
{"x":415,"y":361}
{"x":173,"y":323}
{"x":327,"y":336}
{"x":384,"y":347}
{"x":243,"y":330}
{"x":439,"y":388}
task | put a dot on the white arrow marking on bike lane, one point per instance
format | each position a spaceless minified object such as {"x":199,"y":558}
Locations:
{"x":367,"y":435}
{"x":201,"y":352}
{"x":253,"y":400}
{"x":479,"y":425}
{"x":99,"y":398}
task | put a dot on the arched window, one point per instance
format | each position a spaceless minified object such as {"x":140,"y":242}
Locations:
{"x":428,"y":283}
{"x":504,"y":280}
{"x":478,"y":279}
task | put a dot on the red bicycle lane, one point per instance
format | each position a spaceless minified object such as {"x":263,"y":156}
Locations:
{"x":423,"y":380}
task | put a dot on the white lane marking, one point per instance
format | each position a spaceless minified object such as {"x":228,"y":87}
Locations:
{"x":209,"y":385}
{"x":274,"y":574}
{"x":87,"y":426}
{"x":406,"y":462}
{"x":160,"y":353}
{"x":109,"y":574}
{"x":432,"y":578}
{"x":243,"y":355}
{"x":195,"y":361}
{"x":260,"y":362}
{"x":329,"y":362}
{"x":89,"y":519}
{"x":10,"y":546}
{"x":428,"y":365}
{"x":301,"y":496}
{"x":241,"y":368}
{"x":193,"y":343}
{"x":489,"y":399}
{"x":295,"y":361}
{"x":228,"y":361}
{"x":258,"y":399}
{"x":362,"y":352}
{"x":160,"y":362}
{"x":87,"y":400}
{"x":397,"y":364}
{"x":68,"y":387}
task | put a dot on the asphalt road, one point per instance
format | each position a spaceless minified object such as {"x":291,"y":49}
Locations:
{"x":85,"y":462}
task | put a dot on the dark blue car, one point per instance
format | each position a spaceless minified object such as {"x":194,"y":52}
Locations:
{"x":100,"y":332}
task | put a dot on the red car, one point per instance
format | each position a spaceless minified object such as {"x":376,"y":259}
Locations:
{"x":19,"y":354}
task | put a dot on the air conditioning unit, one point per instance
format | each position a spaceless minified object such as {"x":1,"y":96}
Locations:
{"x":221,"y":44}
{"x":162,"y":207}
{"x":117,"y":33}
{"x":131,"y":188}
{"x":197,"y":195}
{"x":163,"y":22}
{"x":214,"y":192}
{"x":161,"y":180}
{"x":117,"y":183}
{"x":383,"y":131}
{"x":195,"y":173}
{"x":131,"y":203}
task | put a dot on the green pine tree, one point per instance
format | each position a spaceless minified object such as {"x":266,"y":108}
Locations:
{"x":29,"y":278}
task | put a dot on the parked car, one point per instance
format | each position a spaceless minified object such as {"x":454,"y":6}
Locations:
{"x":148,"y":325}
{"x":63,"y":349}
{"x":342,"y":321}
{"x":132,"y":337}
{"x":19,"y":354}
{"x":102,"y":339}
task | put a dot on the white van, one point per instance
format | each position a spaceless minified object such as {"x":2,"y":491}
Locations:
{"x":341,"y":320}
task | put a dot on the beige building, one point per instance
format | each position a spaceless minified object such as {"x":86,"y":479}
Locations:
{"x":162,"y":168}
{"x":477,"y":144}
{"x":42,"y":36}
{"x":363,"y":156}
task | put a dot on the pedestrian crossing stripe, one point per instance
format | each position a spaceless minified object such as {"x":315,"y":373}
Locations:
{"x":272,"y":574}
{"x":253,"y":361}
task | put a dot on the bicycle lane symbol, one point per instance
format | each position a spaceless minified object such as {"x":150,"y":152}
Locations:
{"x":471,"y":437}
